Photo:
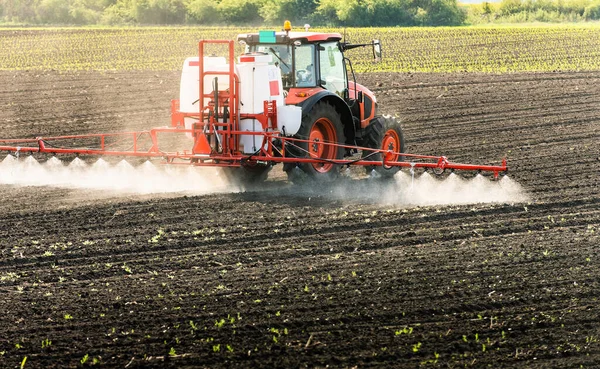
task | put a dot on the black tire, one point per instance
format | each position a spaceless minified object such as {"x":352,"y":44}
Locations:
{"x":321,"y":123}
{"x":383,"y":131}
{"x":248,"y":174}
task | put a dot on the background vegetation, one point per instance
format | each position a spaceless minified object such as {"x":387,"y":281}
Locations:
{"x":352,"y":13}
{"x":527,"y":11}
{"x":207,"y":12}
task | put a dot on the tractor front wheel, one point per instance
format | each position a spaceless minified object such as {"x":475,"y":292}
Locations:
{"x":321,"y":126}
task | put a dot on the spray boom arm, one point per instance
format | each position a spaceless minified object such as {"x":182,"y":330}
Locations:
{"x":145,"y":144}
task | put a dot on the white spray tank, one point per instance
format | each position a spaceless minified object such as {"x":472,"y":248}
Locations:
{"x":190,"y":78}
{"x":260,"y":81}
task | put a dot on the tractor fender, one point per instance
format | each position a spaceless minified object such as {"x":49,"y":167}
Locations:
{"x":339,"y":104}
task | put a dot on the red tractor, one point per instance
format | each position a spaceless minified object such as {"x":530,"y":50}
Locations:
{"x":314,"y":73}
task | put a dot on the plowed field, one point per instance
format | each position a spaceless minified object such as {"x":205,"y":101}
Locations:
{"x":312,"y":277}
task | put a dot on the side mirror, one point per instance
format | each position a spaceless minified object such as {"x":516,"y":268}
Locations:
{"x":377,"y":50}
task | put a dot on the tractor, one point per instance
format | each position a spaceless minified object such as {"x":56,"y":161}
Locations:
{"x":335,"y":109}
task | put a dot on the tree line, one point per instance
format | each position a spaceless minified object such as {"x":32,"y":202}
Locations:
{"x":527,"y":11}
{"x":232,"y":12}
{"x":351,"y":13}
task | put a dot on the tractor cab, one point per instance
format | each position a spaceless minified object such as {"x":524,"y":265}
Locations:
{"x":317,"y":77}
{"x":312,"y":62}
{"x":306,"y":59}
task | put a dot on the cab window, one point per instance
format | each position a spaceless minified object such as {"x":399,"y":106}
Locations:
{"x":333,"y":71}
{"x":304,"y":58}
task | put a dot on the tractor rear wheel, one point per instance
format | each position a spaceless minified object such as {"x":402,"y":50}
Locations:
{"x":321,"y":125}
{"x":384,"y":133}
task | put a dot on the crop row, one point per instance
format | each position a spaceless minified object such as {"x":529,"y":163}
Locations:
{"x":472,"y":49}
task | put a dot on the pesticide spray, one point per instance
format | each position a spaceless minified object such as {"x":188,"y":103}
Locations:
{"x":454,"y":190}
{"x":408,"y":189}
{"x":123,"y":178}
{"x":119,"y":178}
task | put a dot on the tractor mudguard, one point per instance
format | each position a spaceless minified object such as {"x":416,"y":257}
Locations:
{"x":339,"y":104}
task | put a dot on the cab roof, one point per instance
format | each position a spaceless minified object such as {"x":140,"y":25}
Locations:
{"x":272,"y":37}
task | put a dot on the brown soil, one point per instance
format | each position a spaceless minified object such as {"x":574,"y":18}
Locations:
{"x":288,"y":278}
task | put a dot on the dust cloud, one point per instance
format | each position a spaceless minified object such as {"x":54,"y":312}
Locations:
{"x":121,"y":177}
{"x":454,"y":190}
{"x":427,"y":190}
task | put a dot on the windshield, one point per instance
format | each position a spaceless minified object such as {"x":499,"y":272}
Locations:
{"x":333,"y":71}
{"x":282,"y":58}
{"x":297,"y":70}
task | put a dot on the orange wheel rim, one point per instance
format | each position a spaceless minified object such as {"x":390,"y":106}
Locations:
{"x":322,"y":132}
{"x":391,"y":141}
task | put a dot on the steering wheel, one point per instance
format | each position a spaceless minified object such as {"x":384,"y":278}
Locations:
{"x":302,"y":75}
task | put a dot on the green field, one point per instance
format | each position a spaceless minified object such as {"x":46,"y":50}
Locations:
{"x":472,"y":49}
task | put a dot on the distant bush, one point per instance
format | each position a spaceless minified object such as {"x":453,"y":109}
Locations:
{"x":203,"y":11}
{"x":364,"y":13}
{"x":159,"y":11}
{"x":592,"y":12}
{"x":523,"y":11}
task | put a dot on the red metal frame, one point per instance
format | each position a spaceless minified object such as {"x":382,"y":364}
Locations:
{"x":42,"y":145}
{"x":216,"y":143}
